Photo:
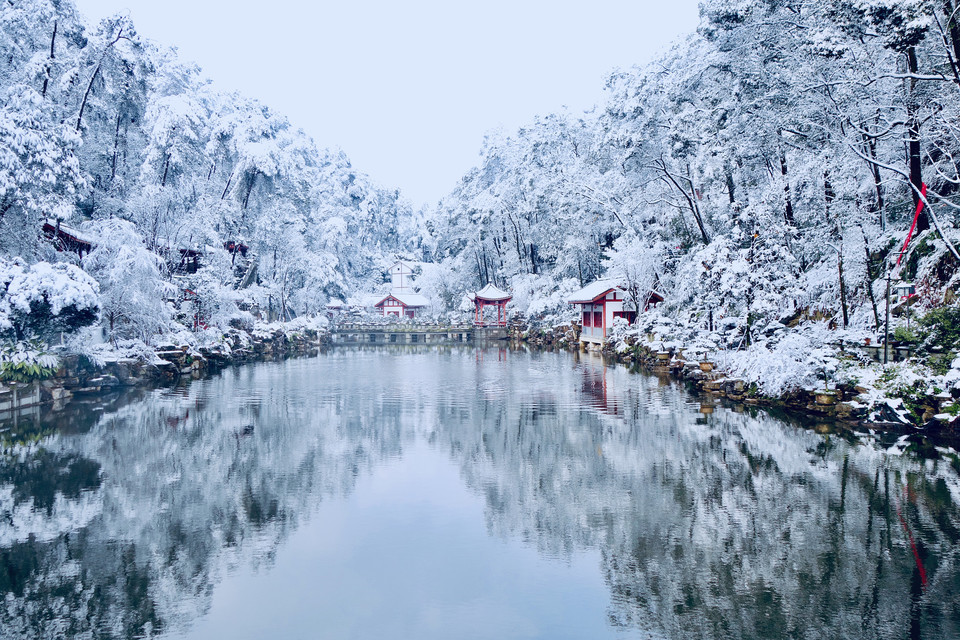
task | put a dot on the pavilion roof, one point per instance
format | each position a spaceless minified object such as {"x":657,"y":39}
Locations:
{"x":491,"y":293}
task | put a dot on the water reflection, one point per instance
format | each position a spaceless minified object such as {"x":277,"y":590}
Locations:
{"x":708,"y":522}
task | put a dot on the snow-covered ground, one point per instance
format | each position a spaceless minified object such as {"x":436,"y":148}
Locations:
{"x":782,"y":360}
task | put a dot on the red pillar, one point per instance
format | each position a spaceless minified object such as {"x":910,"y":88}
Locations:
{"x":603,"y":319}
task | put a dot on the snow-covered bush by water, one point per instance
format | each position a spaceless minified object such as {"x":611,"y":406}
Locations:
{"x":45,"y":299}
{"x":778,"y":367}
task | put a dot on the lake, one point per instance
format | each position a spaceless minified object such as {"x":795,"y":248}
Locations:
{"x":455,"y":492}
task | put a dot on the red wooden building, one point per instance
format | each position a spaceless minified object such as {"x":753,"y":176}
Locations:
{"x":65,"y":238}
{"x":402,"y":304}
{"x":601,"y":302}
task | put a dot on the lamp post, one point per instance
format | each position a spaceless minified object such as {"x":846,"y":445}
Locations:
{"x":886,"y":324}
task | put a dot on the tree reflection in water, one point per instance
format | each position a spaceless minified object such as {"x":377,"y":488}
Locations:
{"x":713,"y":524}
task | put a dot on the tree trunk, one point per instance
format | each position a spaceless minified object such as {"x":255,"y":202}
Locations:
{"x":86,"y":94}
{"x":46,"y":79}
{"x":788,"y":208}
{"x":953,"y":27}
{"x":913,"y":142}
{"x":96,"y":71}
{"x":691,"y":203}
{"x":695,"y":199}
{"x":166,"y":169}
{"x":829,"y":195}
{"x":843,"y":290}
{"x":870,"y":148}
{"x":250,"y":184}
{"x":116,"y":147}
{"x":869,"y":265}
{"x":226,"y":188}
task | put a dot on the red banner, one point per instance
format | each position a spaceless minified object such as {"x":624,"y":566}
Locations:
{"x":916,"y":216}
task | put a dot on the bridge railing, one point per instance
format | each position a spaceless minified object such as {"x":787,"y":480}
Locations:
{"x":400,"y":328}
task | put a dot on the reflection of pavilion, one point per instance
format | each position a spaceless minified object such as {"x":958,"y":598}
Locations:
{"x":481,"y":354}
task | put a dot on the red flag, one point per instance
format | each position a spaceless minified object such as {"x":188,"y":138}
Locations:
{"x":916,"y":216}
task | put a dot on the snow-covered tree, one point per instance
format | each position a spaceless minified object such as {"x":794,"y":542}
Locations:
{"x":133,"y":290}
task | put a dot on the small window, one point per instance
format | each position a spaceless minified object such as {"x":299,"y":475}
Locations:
{"x":598,"y":319}
{"x":373,"y":337}
{"x":413,"y":337}
{"x":393,"y":337}
{"x":587,"y":317}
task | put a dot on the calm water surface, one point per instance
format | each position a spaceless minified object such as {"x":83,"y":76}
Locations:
{"x":464,"y":493}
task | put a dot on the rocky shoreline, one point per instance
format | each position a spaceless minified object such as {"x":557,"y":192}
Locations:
{"x":78,"y":377}
{"x":839,"y":405}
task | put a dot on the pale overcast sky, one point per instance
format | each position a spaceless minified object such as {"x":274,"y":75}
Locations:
{"x":408,"y":89}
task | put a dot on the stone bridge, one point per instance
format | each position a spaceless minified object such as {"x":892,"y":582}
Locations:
{"x":412,"y":333}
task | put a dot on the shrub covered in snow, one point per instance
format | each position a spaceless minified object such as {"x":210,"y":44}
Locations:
{"x":778,"y":367}
{"x":45,"y":299}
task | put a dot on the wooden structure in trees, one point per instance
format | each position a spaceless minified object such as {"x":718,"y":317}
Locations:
{"x":403,"y":300}
{"x":401,"y":276}
{"x":490,"y":296}
{"x":65,"y":238}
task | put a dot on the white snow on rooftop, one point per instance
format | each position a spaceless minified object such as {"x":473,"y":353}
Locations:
{"x":490,"y":292}
{"x":408,"y":299}
{"x":593,"y":291}
{"x":76,"y":233}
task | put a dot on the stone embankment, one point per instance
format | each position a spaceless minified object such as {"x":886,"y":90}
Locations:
{"x":836,"y":403}
{"x":78,"y":377}
{"x":842,"y":403}
{"x":561,"y":336}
